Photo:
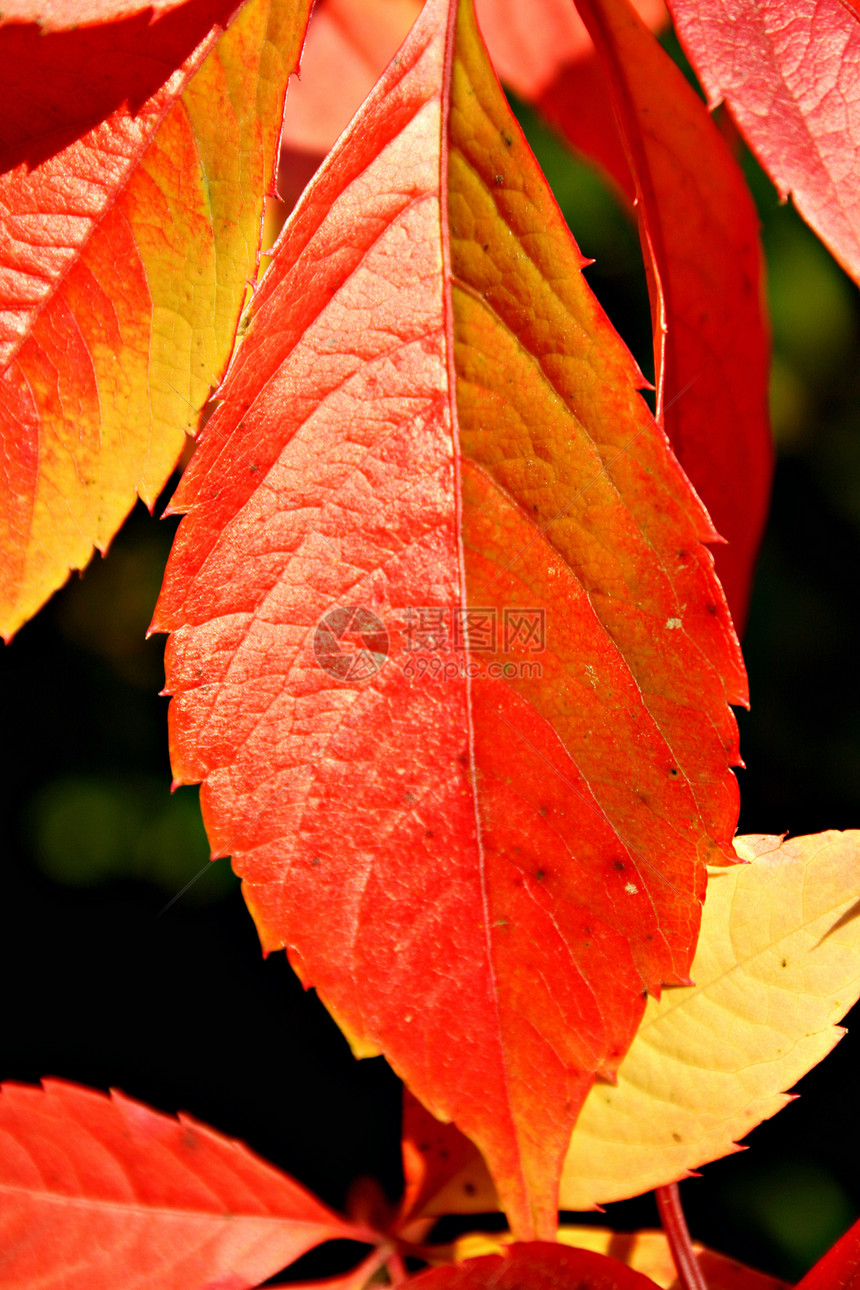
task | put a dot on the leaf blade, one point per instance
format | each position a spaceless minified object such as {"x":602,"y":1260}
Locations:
{"x":789,"y":75}
{"x":130,"y":244}
{"x":99,"y":1187}
{"x":348,"y":466}
{"x":765,"y":1025}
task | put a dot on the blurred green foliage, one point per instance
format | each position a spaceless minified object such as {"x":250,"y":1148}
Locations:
{"x":84,"y":830}
{"x":793,"y":1208}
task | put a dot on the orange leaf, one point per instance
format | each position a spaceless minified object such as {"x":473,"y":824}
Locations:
{"x":431,"y":439}
{"x":135,"y":160}
{"x":102,"y":1191}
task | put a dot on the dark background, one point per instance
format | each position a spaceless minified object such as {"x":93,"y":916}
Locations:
{"x":177,"y":1007}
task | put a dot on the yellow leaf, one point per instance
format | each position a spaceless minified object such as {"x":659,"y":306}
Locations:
{"x":777,"y":966}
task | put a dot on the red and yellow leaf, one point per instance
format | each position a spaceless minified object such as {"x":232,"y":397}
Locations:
{"x":481,"y":863}
{"x":99,"y":1191}
{"x":777,"y":967}
{"x":790,"y":72}
{"x":538,"y":1266}
{"x":135,"y":158}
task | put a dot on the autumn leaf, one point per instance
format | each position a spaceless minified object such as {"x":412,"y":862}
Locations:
{"x":778,"y":965}
{"x":100,"y":1191}
{"x":788,"y":70}
{"x":644,"y":1251}
{"x":775,"y":970}
{"x":537,"y":1265}
{"x":135,"y":157}
{"x":480,"y":858}
{"x":699,"y":224}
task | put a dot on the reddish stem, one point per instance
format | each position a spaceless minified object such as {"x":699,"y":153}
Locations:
{"x":678,"y":1236}
{"x":396,"y":1268}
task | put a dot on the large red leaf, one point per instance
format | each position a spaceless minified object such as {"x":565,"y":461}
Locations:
{"x":134,"y":161}
{"x":700,"y":233}
{"x":482,"y":859}
{"x":535,"y":1266}
{"x":98,"y":1192}
{"x":790,"y":72}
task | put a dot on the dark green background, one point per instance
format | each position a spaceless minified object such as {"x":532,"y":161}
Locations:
{"x":179,"y":1009}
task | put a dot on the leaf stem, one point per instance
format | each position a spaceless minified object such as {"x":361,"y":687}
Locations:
{"x":678,"y":1236}
{"x":396,"y":1268}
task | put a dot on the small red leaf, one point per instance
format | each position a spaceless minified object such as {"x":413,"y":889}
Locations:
{"x":790,"y":72}
{"x":442,"y":1170}
{"x":535,"y":1265}
{"x":99,"y":1191}
{"x":700,"y":233}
